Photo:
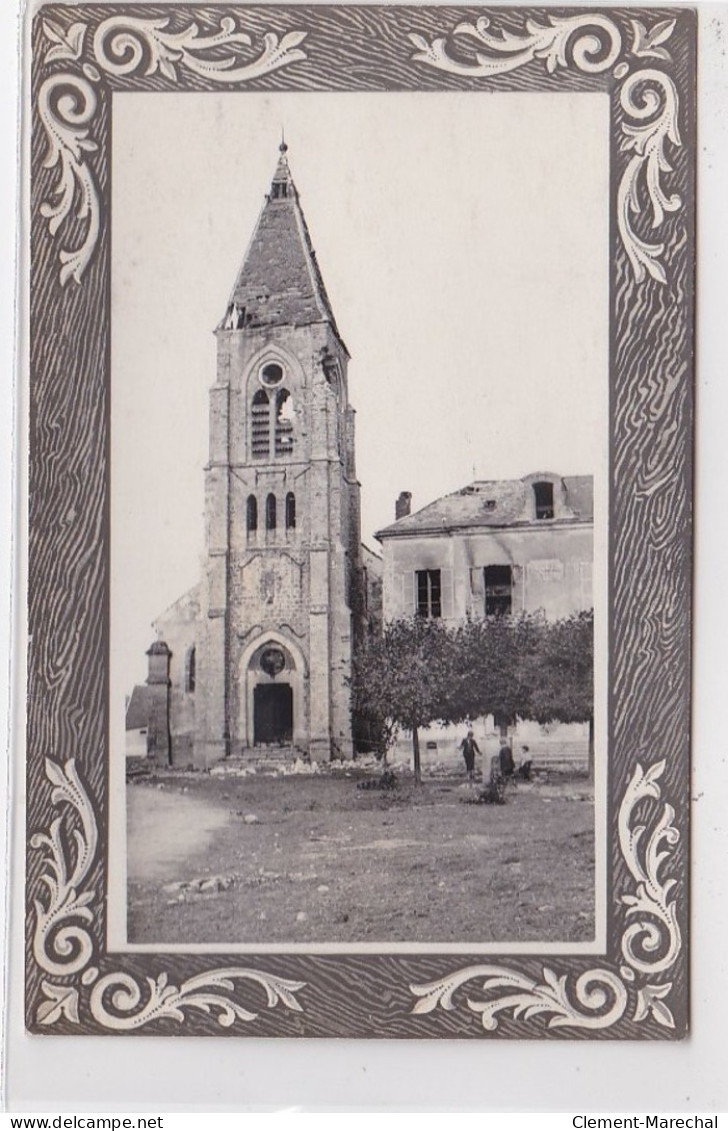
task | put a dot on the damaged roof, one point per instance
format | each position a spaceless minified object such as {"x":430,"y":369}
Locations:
{"x":279,"y":282}
{"x":499,"y":503}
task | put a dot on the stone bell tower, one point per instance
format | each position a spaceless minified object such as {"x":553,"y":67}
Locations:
{"x":282,"y":573}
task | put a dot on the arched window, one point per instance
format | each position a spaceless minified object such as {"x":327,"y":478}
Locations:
{"x":190,"y":669}
{"x":284,"y":423}
{"x":544,"y":496}
{"x":252,"y":513}
{"x":270,"y":512}
{"x":260,"y":424}
{"x":290,"y":511}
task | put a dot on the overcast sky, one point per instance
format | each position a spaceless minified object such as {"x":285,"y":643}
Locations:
{"x":463,"y":240}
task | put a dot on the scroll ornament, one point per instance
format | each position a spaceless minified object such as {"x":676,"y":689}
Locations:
{"x":63,"y":945}
{"x":120,"y":47}
{"x":600,"y":997}
{"x":591,"y":43}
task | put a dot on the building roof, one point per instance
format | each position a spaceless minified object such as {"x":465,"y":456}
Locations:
{"x":186,"y":608}
{"x":497,"y":503}
{"x":158,"y":648}
{"x":279,"y":282}
{"x":139,"y":707}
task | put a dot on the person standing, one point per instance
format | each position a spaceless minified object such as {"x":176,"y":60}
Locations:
{"x":469,"y":748}
{"x":505,"y":755}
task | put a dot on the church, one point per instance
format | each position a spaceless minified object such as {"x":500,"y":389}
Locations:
{"x":259,"y":653}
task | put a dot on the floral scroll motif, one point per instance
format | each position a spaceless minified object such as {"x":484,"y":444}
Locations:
{"x":201,"y":992}
{"x":116,"y":1000}
{"x":591,"y":43}
{"x":60,"y":948}
{"x":122,"y":46}
{"x":600,"y":997}
{"x":562,"y":40}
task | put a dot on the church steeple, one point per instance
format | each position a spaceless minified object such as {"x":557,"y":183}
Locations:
{"x":282,"y":184}
{"x":279,"y":282}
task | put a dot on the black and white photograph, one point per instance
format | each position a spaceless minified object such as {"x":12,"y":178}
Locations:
{"x":274,"y":795}
{"x":360,"y":495}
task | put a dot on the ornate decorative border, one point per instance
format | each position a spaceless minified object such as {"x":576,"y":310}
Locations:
{"x":117,"y":1001}
{"x":644,"y":60}
{"x":602,"y":996}
{"x":592,"y":43}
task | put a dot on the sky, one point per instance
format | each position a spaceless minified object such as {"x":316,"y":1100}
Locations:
{"x":463,"y":240}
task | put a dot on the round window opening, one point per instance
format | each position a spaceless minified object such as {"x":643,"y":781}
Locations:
{"x":272,"y":661}
{"x":271,"y":374}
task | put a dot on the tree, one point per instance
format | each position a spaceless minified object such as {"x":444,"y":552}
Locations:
{"x":563,"y":678}
{"x":496,"y":661}
{"x":404,"y":679}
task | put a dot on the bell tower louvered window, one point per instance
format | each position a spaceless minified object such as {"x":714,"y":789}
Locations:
{"x":252,"y":513}
{"x":270,"y":512}
{"x":260,"y":425}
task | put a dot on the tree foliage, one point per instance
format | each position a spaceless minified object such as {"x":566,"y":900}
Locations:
{"x":402,"y":679}
{"x":420,"y":671}
{"x":563,"y":687}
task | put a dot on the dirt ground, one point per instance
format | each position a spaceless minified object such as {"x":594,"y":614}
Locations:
{"x":312,"y":858}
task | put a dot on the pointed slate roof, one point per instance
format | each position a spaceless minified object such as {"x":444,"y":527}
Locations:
{"x":279,"y":282}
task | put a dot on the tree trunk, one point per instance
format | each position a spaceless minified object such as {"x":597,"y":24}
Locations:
{"x":416,"y":752}
{"x":591,"y":749}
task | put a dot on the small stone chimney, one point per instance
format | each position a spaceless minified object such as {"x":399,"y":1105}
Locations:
{"x":403,"y":504}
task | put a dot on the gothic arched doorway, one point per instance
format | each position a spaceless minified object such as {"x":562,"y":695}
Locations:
{"x":274,"y":689}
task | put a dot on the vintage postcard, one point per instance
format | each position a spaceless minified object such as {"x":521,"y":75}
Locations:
{"x":361,"y":387}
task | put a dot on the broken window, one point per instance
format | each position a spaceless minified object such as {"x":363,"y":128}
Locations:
{"x":429,"y":589}
{"x":270,"y":512}
{"x":544,"y":495}
{"x":252,"y":513}
{"x":260,"y":425}
{"x":498,"y":590}
{"x":290,"y":511}
{"x":283,"y":439}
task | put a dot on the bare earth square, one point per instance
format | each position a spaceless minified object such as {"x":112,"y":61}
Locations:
{"x":310,"y":858}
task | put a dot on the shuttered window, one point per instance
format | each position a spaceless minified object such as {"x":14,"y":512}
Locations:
{"x":498,"y":590}
{"x":260,"y":425}
{"x":429,"y":592}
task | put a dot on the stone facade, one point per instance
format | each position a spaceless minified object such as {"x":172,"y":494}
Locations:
{"x":284,"y":595}
{"x":491,"y":548}
{"x":508,"y":546}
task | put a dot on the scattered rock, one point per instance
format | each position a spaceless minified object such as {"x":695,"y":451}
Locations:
{"x":172,"y":889}
{"x":322,"y":888}
{"x":251,"y":819}
{"x":201,"y":885}
{"x":301,"y":917}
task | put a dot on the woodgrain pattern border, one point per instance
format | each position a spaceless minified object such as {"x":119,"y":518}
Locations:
{"x":644,"y":58}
